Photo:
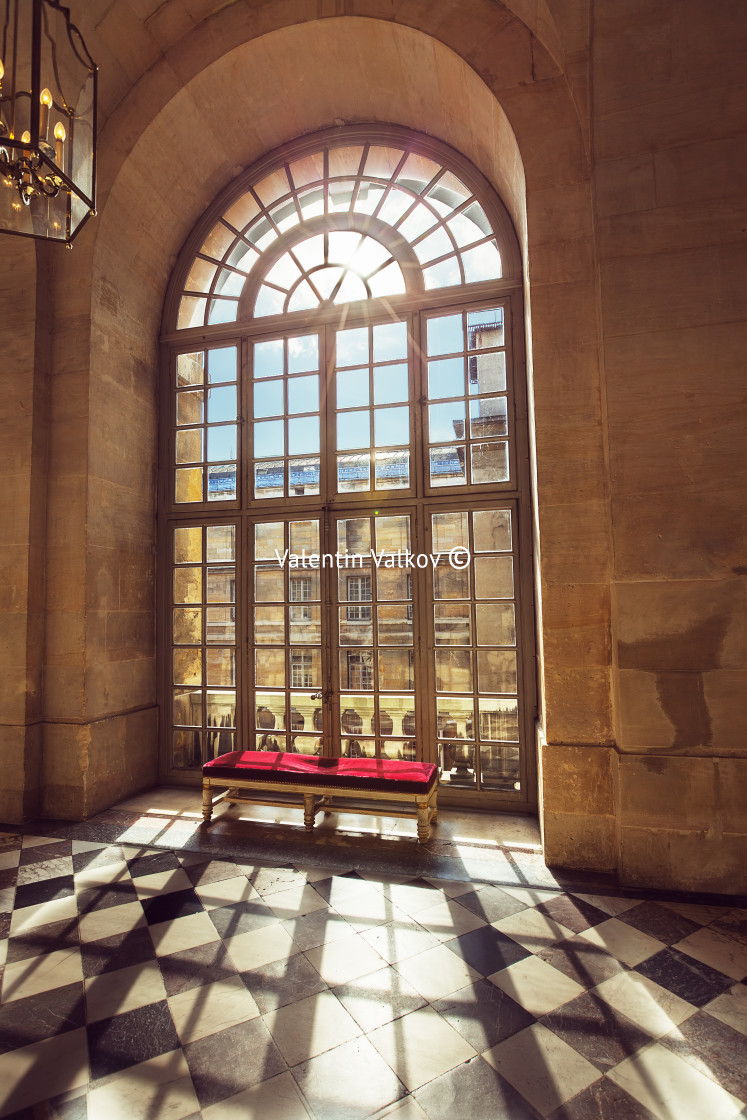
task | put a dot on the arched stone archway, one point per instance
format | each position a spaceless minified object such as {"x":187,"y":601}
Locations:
{"x":528,"y":142}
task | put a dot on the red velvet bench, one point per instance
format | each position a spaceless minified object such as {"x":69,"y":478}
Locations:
{"x":318,"y":780}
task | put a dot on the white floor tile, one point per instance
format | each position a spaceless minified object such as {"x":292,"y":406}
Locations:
{"x":226,"y":891}
{"x":536,"y":985}
{"x":413,"y":899}
{"x":37,"y":841}
{"x":296,"y":901}
{"x":714,"y":949}
{"x":452,"y":888}
{"x":161,"y":1087}
{"x":110,"y":921}
{"x":41,"y":974}
{"x":545,"y":1070}
{"x":420,"y":1046}
{"x":183,"y":933}
{"x":437,"y":972}
{"x":652,"y":1008}
{"x":210,"y":1008}
{"x":697,"y":912}
{"x":276,"y":1099}
{"x":731,"y":1008}
{"x":113,"y":993}
{"x":309,"y":1027}
{"x":448,"y":919}
{"x":530,"y":896}
{"x":379,"y":997}
{"x":161,"y":882}
{"x":340,"y":961}
{"x":260,"y":946}
{"x":43,"y":1070}
{"x":395,"y":942}
{"x":43,"y":914}
{"x":532,"y":929}
{"x":102,"y":875}
{"x":622,"y":941}
{"x":86,"y":846}
{"x":9,"y":859}
{"x":672,"y":1089}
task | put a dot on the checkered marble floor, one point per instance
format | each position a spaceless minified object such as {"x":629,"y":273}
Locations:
{"x":141,"y":982}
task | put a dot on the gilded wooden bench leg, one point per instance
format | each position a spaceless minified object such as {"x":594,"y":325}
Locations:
{"x":207,"y":803}
{"x":434,"y":808}
{"x":309,"y":811}
{"x":424,"y":828}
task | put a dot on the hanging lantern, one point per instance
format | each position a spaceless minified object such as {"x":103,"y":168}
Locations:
{"x":48,"y":85}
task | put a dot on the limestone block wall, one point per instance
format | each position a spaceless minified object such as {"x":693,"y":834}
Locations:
{"x":670,"y":172}
{"x":614,"y":130}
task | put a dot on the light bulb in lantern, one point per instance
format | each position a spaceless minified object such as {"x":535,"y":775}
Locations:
{"x":26,"y":137}
{"x":46,"y":103}
{"x":59,"y":139}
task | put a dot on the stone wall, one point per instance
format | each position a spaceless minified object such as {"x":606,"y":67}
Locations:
{"x":614,"y":131}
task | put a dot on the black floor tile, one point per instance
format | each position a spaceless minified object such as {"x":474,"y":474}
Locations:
{"x":310,"y":930}
{"x":687,"y":978}
{"x":587,"y":964}
{"x":43,"y":852}
{"x":191,"y":968}
{"x":574,"y":913}
{"x":212,"y":871}
{"x":487,"y":950}
{"x":659,"y":922}
{"x":224,"y":1064}
{"x":5,"y":920}
{"x":24,"y":1021}
{"x":43,"y":939}
{"x":32,"y":894}
{"x":171,"y":905}
{"x":483,"y":1014}
{"x":111,"y":953}
{"x":241,"y":917}
{"x":282,"y":982}
{"x":152,"y":864}
{"x":8,"y":877}
{"x":604,"y":1100}
{"x":595,"y":1030}
{"x":714,"y":1048}
{"x":100,"y":898}
{"x":126,"y":1040}
{"x":475,"y":1090}
{"x":491,"y":904}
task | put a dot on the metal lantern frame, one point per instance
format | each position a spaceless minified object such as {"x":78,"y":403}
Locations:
{"x":52,"y":183}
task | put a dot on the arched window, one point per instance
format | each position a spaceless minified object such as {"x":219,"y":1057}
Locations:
{"x":345,"y":484}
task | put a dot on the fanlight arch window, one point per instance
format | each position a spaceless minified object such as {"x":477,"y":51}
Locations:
{"x":336,"y":226}
{"x":341,"y":336}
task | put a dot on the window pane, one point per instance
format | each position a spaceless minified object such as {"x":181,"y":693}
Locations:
{"x":268,"y":358}
{"x":390,"y":384}
{"x":354,"y":430}
{"x":389,"y":342}
{"x":445,"y":335}
{"x":268,"y":398}
{"x":352,"y":346}
{"x":303,"y":354}
{"x":446,"y":378}
{"x":352,"y":388}
{"x":303,"y":435}
{"x":391,"y":427}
